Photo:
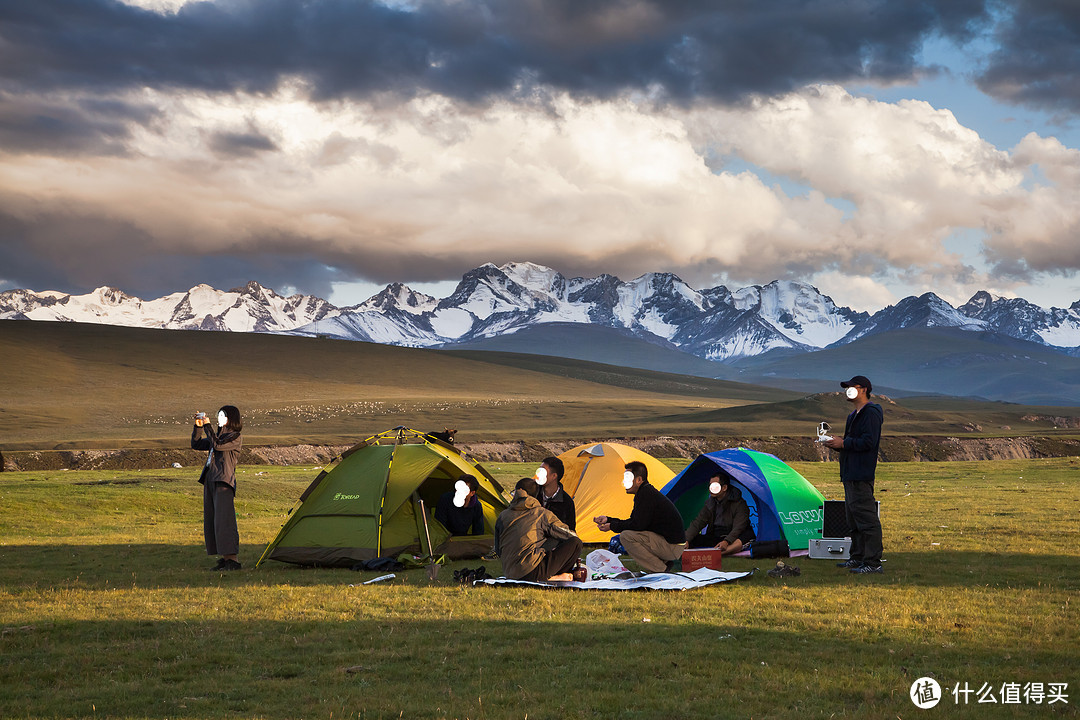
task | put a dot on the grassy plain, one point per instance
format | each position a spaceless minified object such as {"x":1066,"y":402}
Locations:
{"x":78,"y":386}
{"x":71,"y":386}
{"x":107,"y":610}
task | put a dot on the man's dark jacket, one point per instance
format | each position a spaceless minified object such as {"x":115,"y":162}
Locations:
{"x":655,"y":513}
{"x":731,"y":515}
{"x":561,"y":505}
{"x":468,"y":520}
{"x":862,"y":437}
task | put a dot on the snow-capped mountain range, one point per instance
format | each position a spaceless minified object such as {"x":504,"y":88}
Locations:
{"x":716,"y":323}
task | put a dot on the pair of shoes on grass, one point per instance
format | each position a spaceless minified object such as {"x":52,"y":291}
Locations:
{"x":224,"y":565}
{"x":867,"y":569}
{"x":782,"y":569}
{"x":465,"y":576}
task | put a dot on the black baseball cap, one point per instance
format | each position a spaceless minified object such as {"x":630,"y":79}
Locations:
{"x":861,"y":381}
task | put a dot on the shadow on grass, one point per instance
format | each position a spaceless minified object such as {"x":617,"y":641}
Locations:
{"x":175,"y":566}
{"x":527,"y":667}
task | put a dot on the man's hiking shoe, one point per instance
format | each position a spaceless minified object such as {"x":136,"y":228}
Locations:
{"x":465,"y":576}
{"x":865,"y":569}
{"x":784,"y":570}
{"x":230,"y":565}
{"x":848,"y":564}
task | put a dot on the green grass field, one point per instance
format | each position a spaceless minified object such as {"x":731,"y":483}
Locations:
{"x":107,"y":610}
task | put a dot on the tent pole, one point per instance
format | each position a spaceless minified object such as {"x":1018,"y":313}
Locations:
{"x":386,"y":481}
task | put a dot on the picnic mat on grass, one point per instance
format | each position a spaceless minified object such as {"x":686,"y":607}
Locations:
{"x":699,"y":578}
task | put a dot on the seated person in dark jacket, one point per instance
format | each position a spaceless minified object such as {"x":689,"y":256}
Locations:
{"x":653,"y":534}
{"x":459,"y":510}
{"x":552,"y":495}
{"x":725,"y":518}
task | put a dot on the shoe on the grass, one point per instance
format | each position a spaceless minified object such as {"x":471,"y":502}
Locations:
{"x":848,"y":564}
{"x":220,"y":564}
{"x":231,"y":565}
{"x":866,"y":569}
{"x":782,"y":569}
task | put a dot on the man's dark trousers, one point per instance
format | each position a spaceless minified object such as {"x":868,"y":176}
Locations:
{"x":862,"y":518}
{"x":557,"y":561}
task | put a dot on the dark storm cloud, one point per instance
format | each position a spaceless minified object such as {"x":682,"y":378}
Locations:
{"x":61,"y":127}
{"x":472,"y":50}
{"x":1037,"y":62}
{"x":245,"y":144}
{"x":76,"y":250}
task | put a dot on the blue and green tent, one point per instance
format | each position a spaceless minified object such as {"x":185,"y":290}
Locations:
{"x":783,"y":504}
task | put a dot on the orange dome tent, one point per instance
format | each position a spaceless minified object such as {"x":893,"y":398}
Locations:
{"x":594,"y":479}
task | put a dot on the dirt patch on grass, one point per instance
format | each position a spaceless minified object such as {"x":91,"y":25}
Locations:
{"x":298,"y":454}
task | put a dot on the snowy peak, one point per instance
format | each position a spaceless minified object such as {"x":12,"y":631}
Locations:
{"x":248,"y":309}
{"x":927,"y":310}
{"x":400,"y":297}
{"x":978,"y":305}
{"x":658,"y":303}
{"x":715,"y":323}
{"x":798,"y":311}
{"x":1019,"y":318}
{"x":536,"y":278}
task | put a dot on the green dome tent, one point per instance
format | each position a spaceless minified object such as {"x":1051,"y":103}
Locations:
{"x":368,"y":504}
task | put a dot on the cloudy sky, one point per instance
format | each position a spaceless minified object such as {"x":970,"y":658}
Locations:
{"x":875,"y":149}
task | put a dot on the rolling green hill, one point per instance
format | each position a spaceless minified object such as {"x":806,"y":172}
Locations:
{"x":597,"y":343}
{"x":944,"y":361}
{"x":71,"y":386}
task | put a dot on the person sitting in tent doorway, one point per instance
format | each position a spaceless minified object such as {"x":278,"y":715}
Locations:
{"x":724,"y":521}
{"x":532,"y":543}
{"x":459,"y":510}
{"x":653,"y":534}
{"x":552,"y":495}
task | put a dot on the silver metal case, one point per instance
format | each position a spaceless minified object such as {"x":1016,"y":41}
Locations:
{"x":830,"y":548}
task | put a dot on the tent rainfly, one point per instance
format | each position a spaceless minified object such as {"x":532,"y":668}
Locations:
{"x":368,"y":504}
{"x":783,"y":504}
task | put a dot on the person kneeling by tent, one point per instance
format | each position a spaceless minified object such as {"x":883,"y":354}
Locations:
{"x":653,"y":534}
{"x":725,"y":519}
{"x":521,"y":533}
{"x":459,"y":510}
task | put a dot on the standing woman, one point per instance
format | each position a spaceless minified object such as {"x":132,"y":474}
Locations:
{"x":219,"y":484}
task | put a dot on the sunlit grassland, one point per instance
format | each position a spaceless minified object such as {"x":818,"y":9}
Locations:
{"x":107,"y":609}
{"x":93,"y":386}
{"x":72,"y":386}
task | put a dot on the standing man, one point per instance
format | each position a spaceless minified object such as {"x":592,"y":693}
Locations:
{"x":858,"y":463}
{"x":552,"y":495}
{"x":653,"y":535}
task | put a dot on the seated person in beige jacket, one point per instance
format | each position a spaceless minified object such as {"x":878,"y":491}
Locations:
{"x":521,"y":532}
